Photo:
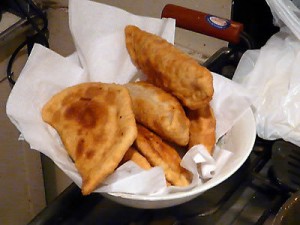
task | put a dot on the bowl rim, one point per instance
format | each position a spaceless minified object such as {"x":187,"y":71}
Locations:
{"x":197,"y":190}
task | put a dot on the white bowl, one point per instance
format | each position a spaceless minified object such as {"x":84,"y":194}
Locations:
{"x":240,"y":140}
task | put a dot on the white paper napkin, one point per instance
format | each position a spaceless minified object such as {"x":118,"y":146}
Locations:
{"x":102,"y":56}
{"x":98,"y":33}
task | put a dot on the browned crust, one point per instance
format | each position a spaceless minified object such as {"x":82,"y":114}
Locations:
{"x":159,"y":111}
{"x":133,"y":155}
{"x":158,"y":153}
{"x":169,"y":68}
{"x":203,"y":127}
{"x":96,"y":124}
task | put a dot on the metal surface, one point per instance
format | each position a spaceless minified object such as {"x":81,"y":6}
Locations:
{"x":14,"y":35}
{"x":248,"y":197}
{"x":10,"y":32}
{"x":286,"y":164}
{"x":289,"y":212}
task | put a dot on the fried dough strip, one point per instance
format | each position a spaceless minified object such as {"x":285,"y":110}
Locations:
{"x":133,"y":155}
{"x":158,"y":153}
{"x":169,"y":68}
{"x":203,"y":127}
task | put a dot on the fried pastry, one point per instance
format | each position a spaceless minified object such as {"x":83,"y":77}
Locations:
{"x":96,"y":124}
{"x":203,"y":127}
{"x":133,"y":155}
{"x":158,"y":153}
{"x":160,"y":112}
{"x":169,"y":68}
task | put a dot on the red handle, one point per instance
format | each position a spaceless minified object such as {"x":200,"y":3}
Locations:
{"x":203,"y":23}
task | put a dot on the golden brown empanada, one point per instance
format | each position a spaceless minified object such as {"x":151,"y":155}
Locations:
{"x":133,"y":155}
{"x":96,"y":124}
{"x":160,"y":112}
{"x":203,"y":127}
{"x":159,"y":153}
{"x":169,"y":68}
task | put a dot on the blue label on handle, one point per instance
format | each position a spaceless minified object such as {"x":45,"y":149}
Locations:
{"x":217,"y":22}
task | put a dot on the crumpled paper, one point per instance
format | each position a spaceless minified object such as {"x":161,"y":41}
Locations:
{"x":101,"y":56}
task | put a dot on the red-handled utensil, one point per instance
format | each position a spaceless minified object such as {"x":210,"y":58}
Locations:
{"x":203,"y":23}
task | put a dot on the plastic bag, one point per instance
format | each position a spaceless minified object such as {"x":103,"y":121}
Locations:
{"x":272,"y":73}
{"x":286,"y":13}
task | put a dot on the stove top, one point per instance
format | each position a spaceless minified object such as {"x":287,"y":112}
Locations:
{"x":250,"y":196}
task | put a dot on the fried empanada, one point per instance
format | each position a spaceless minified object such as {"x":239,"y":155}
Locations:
{"x":160,"y":112}
{"x":96,"y":124}
{"x":133,"y":155}
{"x":169,"y":68}
{"x":203,"y":127}
{"x":158,"y":153}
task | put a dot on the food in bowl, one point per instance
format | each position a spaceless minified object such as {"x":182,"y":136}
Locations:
{"x":97,"y":121}
{"x":169,"y":68}
{"x":160,"y":111}
{"x":96,"y":125}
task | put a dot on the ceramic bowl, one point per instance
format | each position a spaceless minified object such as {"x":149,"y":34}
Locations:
{"x":240,"y":140}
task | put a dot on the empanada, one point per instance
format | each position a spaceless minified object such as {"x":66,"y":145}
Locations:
{"x":133,"y":155}
{"x":96,"y":124}
{"x":159,"y":111}
{"x":169,"y":68}
{"x":159,"y":153}
{"x":203,"y":127}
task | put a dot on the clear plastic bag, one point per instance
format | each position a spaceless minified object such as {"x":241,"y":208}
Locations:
{"x":286,"y":13}
{"x":272,"y":73}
